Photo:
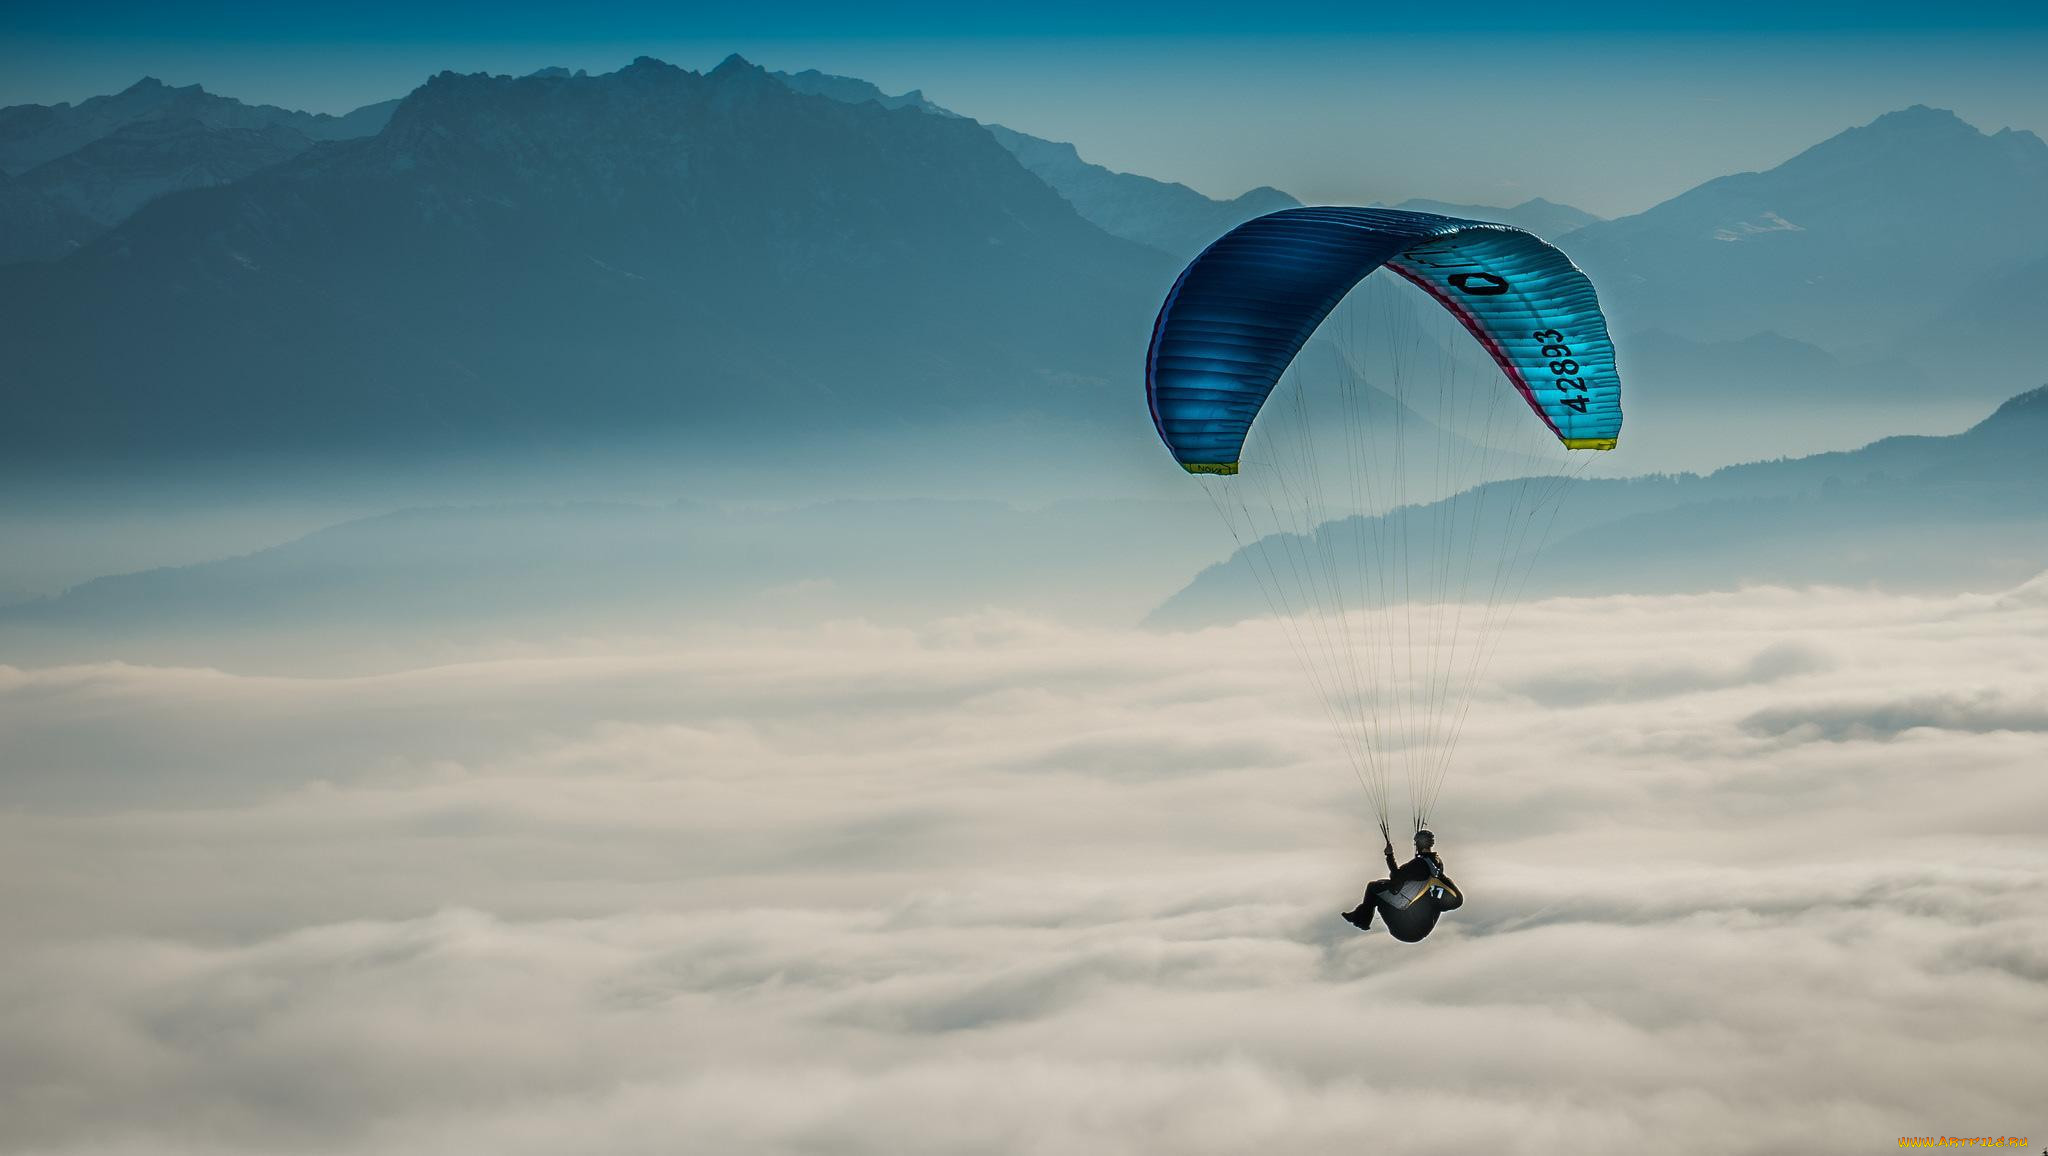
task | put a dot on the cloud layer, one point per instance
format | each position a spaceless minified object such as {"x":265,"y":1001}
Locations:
{"x":1740,"y":882}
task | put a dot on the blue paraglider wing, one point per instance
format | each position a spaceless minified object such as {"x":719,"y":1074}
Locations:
{"x":1242,"y":310}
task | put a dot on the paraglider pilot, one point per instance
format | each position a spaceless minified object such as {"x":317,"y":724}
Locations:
{"x":1411,"y":910}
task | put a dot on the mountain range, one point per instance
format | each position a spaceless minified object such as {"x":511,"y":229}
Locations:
{"x":1872,"y":270}
{"x":1968,"y":510}
{"x":519,"y":265}
{"x":103,"y":158}
{"x":1852,"y":245}
{"x":536,"y":260}
{"x":1170,"y":217}
{"x":32,"y":134}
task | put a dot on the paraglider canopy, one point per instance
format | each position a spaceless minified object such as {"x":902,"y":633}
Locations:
{"x":1241,"y":311}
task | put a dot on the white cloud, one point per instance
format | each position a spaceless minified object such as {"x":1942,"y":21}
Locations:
{"x":998,"y":885}
{"x":1986,"y":710}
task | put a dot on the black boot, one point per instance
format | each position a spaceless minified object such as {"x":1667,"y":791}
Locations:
{"x":1360,"y":917}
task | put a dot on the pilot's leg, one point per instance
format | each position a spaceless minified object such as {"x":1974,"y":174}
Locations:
{"x":1361,"y":916}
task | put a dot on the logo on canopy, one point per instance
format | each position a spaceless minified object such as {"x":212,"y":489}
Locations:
{"x":1479,"y":284}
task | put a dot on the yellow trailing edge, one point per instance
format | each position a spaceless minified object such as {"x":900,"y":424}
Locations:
{"x":1220,"y":467}
{"x":1579,"y":444}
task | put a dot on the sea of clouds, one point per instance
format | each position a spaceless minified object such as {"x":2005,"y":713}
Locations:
{"x":1752,"y":872}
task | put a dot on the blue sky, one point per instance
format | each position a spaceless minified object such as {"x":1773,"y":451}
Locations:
{"x":892,"y":19}
{"x":1610,"y":106}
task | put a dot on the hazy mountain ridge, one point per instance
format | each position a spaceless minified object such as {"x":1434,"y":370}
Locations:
{"x":1547,"y":219}
{"x":1990,"y":326}
{"x":1170,"y":217}
{"x":109,"y":178}
{"x":1969,"y":509}
{"x":35,"y":226}
{"x":464,"y":572}
{"x":105,"y":157}
{"x":1849,"y":245}
{"x":853,"y":90}
{"x":552,"y":257}
{"x":1765,"y":367}
{"x":31,"y":134}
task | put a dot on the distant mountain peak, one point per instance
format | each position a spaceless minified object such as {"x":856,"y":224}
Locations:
{"x":650,"y":66}
{"x":151,"y":87}
{"x":1917,"y":127}
{"x":1536,"y":203}
{"x":735,"y":65}
{"x":1265,"y":195}
{"x":2031,"y":406}
{"x":1907,"y":135}
{"x":1834,"y":246}
{"x":1920,"y":116}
